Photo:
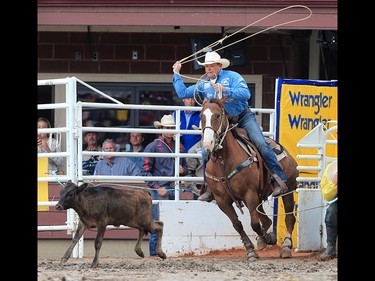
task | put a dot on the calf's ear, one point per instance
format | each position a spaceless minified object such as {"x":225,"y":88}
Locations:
{"x":68,"y":183}
{"x":81,"y":187}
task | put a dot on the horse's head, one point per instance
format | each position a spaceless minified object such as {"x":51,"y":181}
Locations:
{"x":214,"y":123}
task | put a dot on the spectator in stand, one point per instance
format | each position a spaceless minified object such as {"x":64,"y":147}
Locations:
{"x":136,"y":145}
{"x":92,"y":144}
{"x":188,"y":119}
{"x":162,"y":166}
{"x":115,"y":165}
{"x":46,"y":144}
{"x":329,"y":188}
{"x":195,"y":169}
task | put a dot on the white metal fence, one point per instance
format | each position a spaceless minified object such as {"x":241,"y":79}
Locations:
{"x":311,"y":234}
{"x":319,"y":138}
{"x":72,"y":134}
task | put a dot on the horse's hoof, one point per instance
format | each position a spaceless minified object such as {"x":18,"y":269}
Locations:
{"x":261,"y":243}
{"x":272,"y":238}
{"x":285,"y":252}
{"x":252,"y":256}
{"x":267,"y":239}
{"x":287,"y":242}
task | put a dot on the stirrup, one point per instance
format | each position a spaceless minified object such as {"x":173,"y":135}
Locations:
{"x":279,"y":184}
{"x":278,"y":190}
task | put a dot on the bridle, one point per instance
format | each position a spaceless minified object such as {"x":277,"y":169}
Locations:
{"x":220,"y":135}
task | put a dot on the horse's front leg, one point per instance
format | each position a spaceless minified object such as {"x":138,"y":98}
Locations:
{"x":232,"y":215}
{"x":263,"y":238}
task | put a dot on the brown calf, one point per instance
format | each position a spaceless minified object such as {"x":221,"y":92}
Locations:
{"x":99,"y":206}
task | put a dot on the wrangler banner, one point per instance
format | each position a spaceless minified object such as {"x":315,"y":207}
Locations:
{"x":300,"y":106}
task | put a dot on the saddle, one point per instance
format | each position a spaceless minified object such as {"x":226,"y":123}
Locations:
{"x":242,"y":138}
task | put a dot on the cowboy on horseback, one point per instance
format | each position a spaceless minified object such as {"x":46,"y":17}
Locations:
{"x":233,"y":85}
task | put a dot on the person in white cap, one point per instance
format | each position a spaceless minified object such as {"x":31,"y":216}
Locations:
{"x":328,"y":185}
{"x":220,"y":83}
{"x":162,"y":166}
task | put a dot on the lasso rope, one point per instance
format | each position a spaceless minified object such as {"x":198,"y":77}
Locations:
{"x":214,"y":201}
{"x":138,"y":187}
{"x":293,"y":212}
{"x":220,"y":41}
{"x":134,"y":187}
{"x":195,"y":56}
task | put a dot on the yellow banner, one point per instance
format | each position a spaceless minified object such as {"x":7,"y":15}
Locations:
{"x":42,"y":186}
{"x":300,"y":106}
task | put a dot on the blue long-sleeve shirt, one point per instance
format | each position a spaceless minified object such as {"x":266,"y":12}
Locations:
{"x":161,"y":166}
{"x":120,"y":166}
{"x":188,"y":140}
{"x":235,"y":88}
{"x":137,"y":160}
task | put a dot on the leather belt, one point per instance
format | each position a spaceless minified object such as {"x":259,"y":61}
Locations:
{"x":242,"y":114}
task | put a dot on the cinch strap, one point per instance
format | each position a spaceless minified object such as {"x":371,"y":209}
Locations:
{"x":239,"y":168}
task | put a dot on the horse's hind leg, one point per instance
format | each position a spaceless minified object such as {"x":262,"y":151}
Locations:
{"x":232,"y":215}
{"x":290,"y":220}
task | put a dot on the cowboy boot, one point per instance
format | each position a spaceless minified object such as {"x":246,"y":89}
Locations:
{"x":279,"y":186}
{"x":330,"y":252}
{"x":207,"y":195}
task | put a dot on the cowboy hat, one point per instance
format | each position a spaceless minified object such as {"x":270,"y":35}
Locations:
{"x":213,"y":57}
{"x":166,"y":121}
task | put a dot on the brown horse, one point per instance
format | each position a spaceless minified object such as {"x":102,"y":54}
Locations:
{"x":236,"y":175}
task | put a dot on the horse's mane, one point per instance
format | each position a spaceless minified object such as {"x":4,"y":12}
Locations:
{"x":232,"y":120}
{"x":217,"y":101}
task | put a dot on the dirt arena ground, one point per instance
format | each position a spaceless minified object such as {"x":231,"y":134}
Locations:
{"x":218,"y":266}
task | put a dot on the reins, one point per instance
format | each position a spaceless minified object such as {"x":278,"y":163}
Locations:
{"x":225,"y":180}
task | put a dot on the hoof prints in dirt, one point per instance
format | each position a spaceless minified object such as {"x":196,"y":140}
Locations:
{"x":189,"y":269}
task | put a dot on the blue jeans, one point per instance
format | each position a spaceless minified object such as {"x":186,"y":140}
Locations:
{"x":204,"y":163}
{"x":250,"y":124}
{"x":155,"y":215}
{"x":331,"y":215}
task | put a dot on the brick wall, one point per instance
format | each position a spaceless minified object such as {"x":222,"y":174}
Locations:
{"x":271,"y":55}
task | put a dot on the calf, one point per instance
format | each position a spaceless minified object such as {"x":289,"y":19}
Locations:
{"x":98,"y":207}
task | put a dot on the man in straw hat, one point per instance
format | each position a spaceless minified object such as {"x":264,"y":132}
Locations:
{"x":162,"y":166}
{"x":328,"y":185}
{"x":219,"y":83}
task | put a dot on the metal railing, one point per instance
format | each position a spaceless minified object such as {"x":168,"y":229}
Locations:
{"x":73,"y":133}
{"x":317,"y":138}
